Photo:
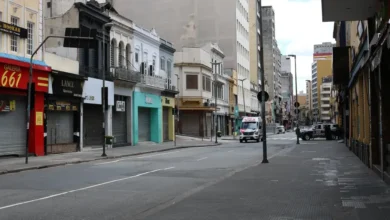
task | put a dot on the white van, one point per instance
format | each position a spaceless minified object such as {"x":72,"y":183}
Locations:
{"x":251,"y":129}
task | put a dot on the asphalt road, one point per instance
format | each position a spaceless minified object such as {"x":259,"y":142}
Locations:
{"x":129,"y":188}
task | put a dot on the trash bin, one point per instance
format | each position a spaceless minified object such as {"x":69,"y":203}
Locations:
{"x":109,"y":140}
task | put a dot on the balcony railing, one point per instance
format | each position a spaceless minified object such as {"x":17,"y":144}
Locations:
{"x":153,"y":81}
{"x":124,"y":74}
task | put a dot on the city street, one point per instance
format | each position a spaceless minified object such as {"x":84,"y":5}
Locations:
{"x":315,"y":180}
{"x":128,"y":187}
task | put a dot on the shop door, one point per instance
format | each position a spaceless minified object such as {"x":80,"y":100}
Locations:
{"x":59,"y":128}
{"x":166,"y":123}
{"x":190,"y":123}
{"x":144,"y":124}
{"x":119,"y":127}
{"x":93,"y":121}
{"x":13,"y":127}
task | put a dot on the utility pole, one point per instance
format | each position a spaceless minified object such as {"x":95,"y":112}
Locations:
{"x":265,"y":159}
{"x":177,"y":109}
{"x":296,"y":97}
{"x":215,"y":63}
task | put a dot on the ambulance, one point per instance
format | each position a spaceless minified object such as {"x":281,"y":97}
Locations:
{"x":251,"y":129}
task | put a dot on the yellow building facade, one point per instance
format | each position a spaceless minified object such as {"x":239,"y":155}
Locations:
{"x":26,"y":14}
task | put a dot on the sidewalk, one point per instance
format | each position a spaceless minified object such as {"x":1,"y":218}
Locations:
{"x":318,"y":180}
{"x":16,"y":164}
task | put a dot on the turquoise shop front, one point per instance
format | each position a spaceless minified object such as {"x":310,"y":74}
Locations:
{"x":147,"y":118}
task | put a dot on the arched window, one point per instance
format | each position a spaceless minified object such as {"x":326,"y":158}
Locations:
{"x":120,"y":55}
{"x":113,"y":53}
{"x":128,"y":56}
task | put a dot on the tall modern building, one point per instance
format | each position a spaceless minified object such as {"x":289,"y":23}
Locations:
{"x":321,"y":68}
{"x":287,"y":92}
{"x":193,"y":23}
{"x":309,"y":95}
{"x":255,"y":52}
{"x":272,"y":55}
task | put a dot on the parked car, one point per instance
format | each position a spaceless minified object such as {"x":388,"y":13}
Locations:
{"x":318,"y":131}
{"x":280,"y":130}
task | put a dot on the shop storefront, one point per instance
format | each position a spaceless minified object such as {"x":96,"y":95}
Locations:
{"x":121,"y":120}
{"x":92,"y":112}
{"x":147,"y":117}
{"x":14,"y":77}
{"x":62,"y":110}
{"x":168,"y":104}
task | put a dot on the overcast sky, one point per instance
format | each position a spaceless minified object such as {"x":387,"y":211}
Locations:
{"x":299,"y":26}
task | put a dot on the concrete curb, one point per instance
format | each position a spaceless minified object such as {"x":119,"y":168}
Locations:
{"x":102,"y":158}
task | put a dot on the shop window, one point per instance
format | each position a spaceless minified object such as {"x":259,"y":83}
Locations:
{"x":192,"y":81}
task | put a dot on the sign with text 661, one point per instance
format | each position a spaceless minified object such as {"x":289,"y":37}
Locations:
{"x":12,"y":79}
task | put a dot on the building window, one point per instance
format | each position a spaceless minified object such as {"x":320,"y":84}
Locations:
{"x":154,"y":66}
{"x":207,"y":83}
{"x":137,"y":56}
{"x":192,"y":81}
{"x":120,"y":55}
{"x":128,"y":55}
{"x":30,"y":37}
{"x":169,"y":68}
{"x":162,"y":63}
{"x":113,"y":52}
{"x":14,"y":38}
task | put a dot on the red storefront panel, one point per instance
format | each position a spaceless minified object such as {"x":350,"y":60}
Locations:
{"x":14,"y":78}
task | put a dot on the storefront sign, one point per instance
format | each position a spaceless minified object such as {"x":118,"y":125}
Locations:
{"x":148,"y":100}
{"x":120,"y":106}
{"x":93,"y":94}
{"x":39,"y":118}
{"x":7,"y":106}
{"x":62,"y":106}
{"x":16,"y":77}
{"x":63,"y":85}
{"x":13,"y":29}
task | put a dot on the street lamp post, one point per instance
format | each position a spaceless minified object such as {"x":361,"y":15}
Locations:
{"x":296,"y":95}
{"x":104,"y":89}
{"x":177,"y":109}
{"x":215,"y":63}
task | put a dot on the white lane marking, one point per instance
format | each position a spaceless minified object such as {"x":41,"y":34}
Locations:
{"x":203,"y":158}
{"x":155,"y":155}
{"x":230,"y":151}
{"x":82,"y":189}
{"x":115,"y":161}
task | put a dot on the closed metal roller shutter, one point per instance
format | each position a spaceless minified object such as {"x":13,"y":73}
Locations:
{"x":93,"y":121}
{"x":143,"y":124}
{"x":59,"y":128}
{"x":208,"y":124}
{"x":166,"y":123}
{"x":119,"y":127}
{"x":13,"y":127}
{"x":190,"y":123}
